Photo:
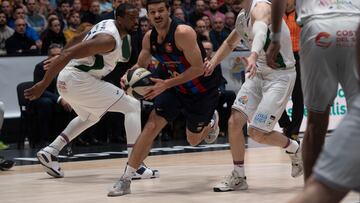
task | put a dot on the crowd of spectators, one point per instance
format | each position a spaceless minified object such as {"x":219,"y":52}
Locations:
{"x":25,"y":23}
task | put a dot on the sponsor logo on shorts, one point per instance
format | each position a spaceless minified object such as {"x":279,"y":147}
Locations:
{"x":260,"y":118}
{"x":323,"y":40}
{"x":243,"y":99}
{"x":270,"y":121}
{"x":336,"y":4}
{"x":345,"y":38}
{"x":61,"y":85}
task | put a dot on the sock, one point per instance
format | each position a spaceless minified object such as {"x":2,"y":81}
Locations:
{"x":129,"y":172}
{"x":292,"y":146}
{"x":239,"y":168}
{"x":56,"y":146}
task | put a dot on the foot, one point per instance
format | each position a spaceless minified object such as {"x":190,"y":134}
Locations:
{"x":296,"y":138}
{"x":50,"y":163}
{"x":297,"y":168}
{"x":145,"y":173}
{"x":6,"y":164}
{"x":231,"y":183}
{"x":121,"y":187}
{"x":214,"y":130}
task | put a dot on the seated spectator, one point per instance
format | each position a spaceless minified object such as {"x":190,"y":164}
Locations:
{"x":218,"y":34}
{"x":45,"y":7}
{"x":229,"y":21}
{"x":201,"y":31}
{"x":52,"y":35}
{"x":93,"y":15}
{"x":144,"y":25}
{"x":7,"y":9}
{"x":19,"y":13}
{"x":73,"y":24}
{"x":226,"y":6}
{"x":179,"y":15}
{"x":63,"y":12}
{"x":142,"y":11}
{"x":198,"y":12}
{"x":213,"y":11}
{"x":5,"y":32}
{"x":77,"y":7}
{"x":207,"y":21}
{"x":33,"y":18}
{"x":48,"y":104}
{"x":19,"y":43}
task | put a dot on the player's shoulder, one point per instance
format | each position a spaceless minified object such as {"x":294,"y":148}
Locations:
{"x":184,"y":30}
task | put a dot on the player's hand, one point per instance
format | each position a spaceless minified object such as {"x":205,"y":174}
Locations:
{"x":65,"y":105}
{"x":123,"y":82}
{"x":48,"y":62}
{"x":271,"y":54}
{"x":35,"y":91}
{"x":208,"y":67}
{"x":153,"y":91}
{"x":250,"y":64}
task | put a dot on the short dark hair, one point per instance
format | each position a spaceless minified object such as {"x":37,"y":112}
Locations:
{"x":53,"y":46}
{"x":121,"y":9}
{"x":148,"y":2}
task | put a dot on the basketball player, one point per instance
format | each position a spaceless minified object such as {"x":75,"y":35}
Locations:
{"x":263,"y":97}
{"x":80,"y":84}
{"x":327,"y":57}
{"x":181,"y":87}
{"x":337,"y":170}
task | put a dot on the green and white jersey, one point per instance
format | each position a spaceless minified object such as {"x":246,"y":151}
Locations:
{"x":309,"y":9}
{"x":100,"y":65}
{"x":243,"y":26}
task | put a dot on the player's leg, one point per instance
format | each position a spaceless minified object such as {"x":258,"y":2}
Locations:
{"x":202,"y":120}
{"x":277,"y":88}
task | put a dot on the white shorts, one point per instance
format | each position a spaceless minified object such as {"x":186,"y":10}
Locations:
{"x":87,"y":95}
{"x":327,"y":58}
{"x":339,"y":163}
{"x":263,"y":98}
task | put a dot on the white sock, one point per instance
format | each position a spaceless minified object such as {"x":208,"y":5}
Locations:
{"x":292,"y":147}
{"x":129,"y":172}
{"x":239,"y":168}
{"x":56,"y":146}
{"x":129,"y":149}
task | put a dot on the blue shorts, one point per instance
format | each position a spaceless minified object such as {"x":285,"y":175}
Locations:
{"x":198,"y":109}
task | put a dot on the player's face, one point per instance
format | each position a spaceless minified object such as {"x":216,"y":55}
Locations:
{"x":158,"y":15}
{"x":130,"y":20}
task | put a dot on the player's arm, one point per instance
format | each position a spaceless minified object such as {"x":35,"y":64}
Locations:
{"x":101,"y":43}
{"x":144,"y":58}
{"x":277,"y":11}
{"x":185,"y":39}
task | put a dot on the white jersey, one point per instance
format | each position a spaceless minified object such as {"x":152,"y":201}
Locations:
{"x":307,"y":9}
{"x":100,"y":65}
{"x":244,"y":25}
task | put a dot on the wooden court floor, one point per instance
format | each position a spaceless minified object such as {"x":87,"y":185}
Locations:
{"x":184,"y":178}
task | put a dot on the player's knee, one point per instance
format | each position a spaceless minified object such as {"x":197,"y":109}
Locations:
{"x":257,"y":135}
{"x":236,"y":120}
{"x":133,"y":105}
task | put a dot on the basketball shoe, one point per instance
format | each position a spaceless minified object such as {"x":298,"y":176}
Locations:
{"x":6,"y":164}
{"x":231,"y":183}
{"x":50,"y":163}
{"x":214,"y":130}
{"x":297,"y":168}
{"x":121,"y":187}
{"x":145,"y":173}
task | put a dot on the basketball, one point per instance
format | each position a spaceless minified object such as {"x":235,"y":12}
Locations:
{"x":137,"y":81}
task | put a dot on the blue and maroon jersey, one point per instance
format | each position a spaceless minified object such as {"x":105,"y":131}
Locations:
{"x":172,"y":62}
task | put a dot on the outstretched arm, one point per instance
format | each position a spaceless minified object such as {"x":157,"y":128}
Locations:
{"x":278,"y":9}
{"x":101,"y":43}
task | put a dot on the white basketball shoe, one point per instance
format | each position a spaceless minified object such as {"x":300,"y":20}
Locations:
{"x":231,"y":183}
{"x":50,"y":163}
{"x":145,"y":172}
{"x":214,"y":130}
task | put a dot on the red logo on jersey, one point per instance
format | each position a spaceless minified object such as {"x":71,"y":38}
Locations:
{"x":168,"y":48}
{"x":323,"y":40}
